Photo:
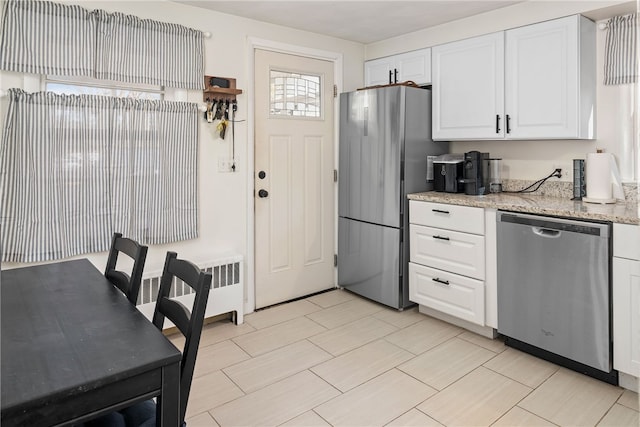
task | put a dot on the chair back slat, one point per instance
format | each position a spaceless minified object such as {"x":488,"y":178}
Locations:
{"x":186,"y":271}
{"x":189,"y":325}
{"x":127,"y":246}
{"x":120,"y":279}
{"x":177,"y":313}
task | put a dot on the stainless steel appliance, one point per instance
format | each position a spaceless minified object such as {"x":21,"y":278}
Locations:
{"x":385,"y":136}
{"x":476,"y":173}
{"x":554,"y":290}
{"x":447,"y":173}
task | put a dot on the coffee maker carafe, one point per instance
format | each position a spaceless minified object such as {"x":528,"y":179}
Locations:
{"x":476,"y":173}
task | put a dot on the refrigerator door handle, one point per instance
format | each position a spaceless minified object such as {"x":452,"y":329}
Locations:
{"x":365,"y":121}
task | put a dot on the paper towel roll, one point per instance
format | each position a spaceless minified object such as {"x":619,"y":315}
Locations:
{"x":602,"y":179}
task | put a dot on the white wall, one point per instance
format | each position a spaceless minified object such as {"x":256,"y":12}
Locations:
{"x":532,"y":160}
{"x":223,"y":196}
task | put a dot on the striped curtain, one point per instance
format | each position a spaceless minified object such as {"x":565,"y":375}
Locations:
{"x":50,"y":38}
{"x":621,"y":50}
{"x":150,"y":52}
{"x":74,"y":169}
{"x":47,"y":38}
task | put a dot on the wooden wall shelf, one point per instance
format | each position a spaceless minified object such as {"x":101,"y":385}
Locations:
{"x":215,"y":92}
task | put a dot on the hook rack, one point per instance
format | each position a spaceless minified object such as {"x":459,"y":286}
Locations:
{"x":220,"y":88}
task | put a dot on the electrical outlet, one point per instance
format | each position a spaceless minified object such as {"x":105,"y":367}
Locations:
{"x":557,"y":170}
{"x":224,"y":164}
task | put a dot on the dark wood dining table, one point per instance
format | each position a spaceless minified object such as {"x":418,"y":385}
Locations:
{"x":74,"y":348}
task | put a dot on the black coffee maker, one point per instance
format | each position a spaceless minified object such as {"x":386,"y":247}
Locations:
{"x":476,"y":173}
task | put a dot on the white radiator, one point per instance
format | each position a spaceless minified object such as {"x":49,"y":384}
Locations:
{"x":226,"y":293}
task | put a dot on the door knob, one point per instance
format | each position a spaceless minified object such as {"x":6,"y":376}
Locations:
{"x":263,"y":193}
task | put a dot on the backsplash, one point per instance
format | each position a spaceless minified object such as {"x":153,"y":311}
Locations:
{"x":564,"y":189}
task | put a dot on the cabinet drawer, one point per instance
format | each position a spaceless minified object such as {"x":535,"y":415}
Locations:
{"x":458,"y":296}
{"x":452,"y":217}
{"x":459,"y":253}
{"x":626,"y":241}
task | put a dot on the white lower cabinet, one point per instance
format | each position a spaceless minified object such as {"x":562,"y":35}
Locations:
{"x":447,"y":250}
{"x":448,"y":263}
{"x":626,"y":299}
{"x":449,"y":293}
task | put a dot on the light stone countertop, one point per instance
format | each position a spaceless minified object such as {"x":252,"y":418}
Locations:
{"x":625,"y":213}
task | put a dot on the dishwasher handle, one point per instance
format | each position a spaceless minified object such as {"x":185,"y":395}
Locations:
{"x":546,"y":232}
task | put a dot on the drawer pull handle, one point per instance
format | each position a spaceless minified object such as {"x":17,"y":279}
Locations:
{"x":444,"y":282}
{"x":440,"y":211}
{"x":441,"y":238}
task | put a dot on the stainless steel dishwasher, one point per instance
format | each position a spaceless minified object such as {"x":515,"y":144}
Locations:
{"x":554,"y":290}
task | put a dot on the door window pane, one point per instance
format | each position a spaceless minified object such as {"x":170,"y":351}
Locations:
{"x":294,"y":95}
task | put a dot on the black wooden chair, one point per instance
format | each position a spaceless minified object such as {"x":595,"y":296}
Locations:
{"x":128,"y":284}
{"x":188,"y":323}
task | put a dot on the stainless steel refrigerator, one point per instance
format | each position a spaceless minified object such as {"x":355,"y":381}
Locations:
{"x":385,"y":138}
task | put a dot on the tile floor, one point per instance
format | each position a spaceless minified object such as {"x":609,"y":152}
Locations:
{"x":336,"y":359}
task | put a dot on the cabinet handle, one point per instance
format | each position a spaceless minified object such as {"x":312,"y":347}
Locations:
{"x":444,"y":282}
{"x":395,"y":75}
{"x":440,"y":211}
{"x":441,"y":238}
{"x":497,"y":123}
{"x":508,"y":124}
{"x":390,"y":76}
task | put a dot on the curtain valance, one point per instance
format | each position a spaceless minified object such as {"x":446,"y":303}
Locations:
{"x":621,"y":50}
{"x":67,"y":40}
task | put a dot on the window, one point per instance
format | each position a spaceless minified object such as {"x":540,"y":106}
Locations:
{"x":295,"y":95}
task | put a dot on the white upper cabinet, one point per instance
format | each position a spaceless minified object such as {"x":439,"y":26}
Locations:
{"x":468,"y":88}
{"x":543,"y":80}
{"x":379,"y":71}
{"x":414,"y":66}
{"x":550,"y":73}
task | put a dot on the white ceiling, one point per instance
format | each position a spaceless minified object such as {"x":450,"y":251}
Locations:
{"x":360,"y":21}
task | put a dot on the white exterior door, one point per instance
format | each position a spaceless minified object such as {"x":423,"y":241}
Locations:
{"x":468,"y":88}
{"x":294,"y":179}
{"x":542,"y":79}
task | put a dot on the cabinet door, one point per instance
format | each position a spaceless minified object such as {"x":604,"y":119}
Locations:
{"x":626,"y":316}
{"x":414,"y":66}
{"x":378,"y":71}
{"x":542,"y":79}
{"x":468,"y":88}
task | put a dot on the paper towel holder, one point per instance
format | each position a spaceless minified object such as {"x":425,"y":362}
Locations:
{"x":616,"y":182}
